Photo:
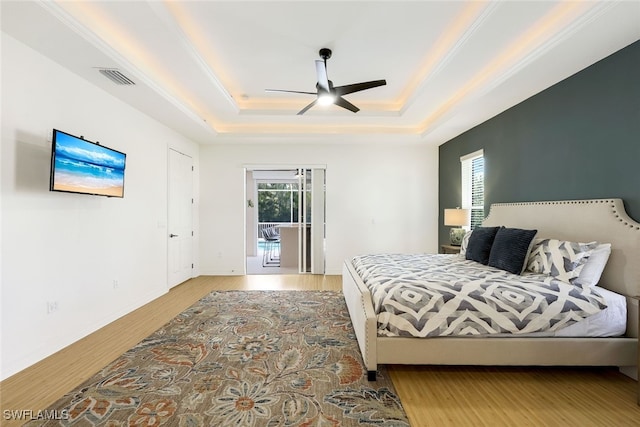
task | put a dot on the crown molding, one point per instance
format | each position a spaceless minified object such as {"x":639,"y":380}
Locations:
{"x":68,"y":20}
{"x":170,"y":21}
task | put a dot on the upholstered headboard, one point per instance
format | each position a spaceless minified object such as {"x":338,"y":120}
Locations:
{"x":602,"y":220}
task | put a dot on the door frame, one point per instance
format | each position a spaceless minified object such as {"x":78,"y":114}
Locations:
{"x":275,"y":167}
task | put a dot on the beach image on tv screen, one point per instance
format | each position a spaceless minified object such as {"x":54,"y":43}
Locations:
{"x":84,"y":167}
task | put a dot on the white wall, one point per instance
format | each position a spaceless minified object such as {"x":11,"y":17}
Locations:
{"x":379,"y":198}
{"x":70,"y":248}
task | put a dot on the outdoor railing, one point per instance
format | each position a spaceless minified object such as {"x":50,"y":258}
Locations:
{"x":263,"y":225}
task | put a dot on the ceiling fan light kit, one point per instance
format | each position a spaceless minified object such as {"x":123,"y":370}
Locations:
{"x":326,"y":99}
{"x":326,"y":93}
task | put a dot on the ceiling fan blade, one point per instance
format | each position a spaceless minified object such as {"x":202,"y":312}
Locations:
{"x":321,"y":71}
{"x":356,"y":87}
{"x":341,"y":102}
{"x":304,"y":110}
{"x":289,"y":91}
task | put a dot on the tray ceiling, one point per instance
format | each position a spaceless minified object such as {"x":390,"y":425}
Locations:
{"x":203,"y":67}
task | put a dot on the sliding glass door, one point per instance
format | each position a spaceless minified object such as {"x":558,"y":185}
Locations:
{"x":311,"y":221}
{"x":291,"y":201}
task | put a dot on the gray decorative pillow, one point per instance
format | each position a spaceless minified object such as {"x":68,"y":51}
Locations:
{"x":510,"y":249}
{"x":480,"y":242}
{"x":560,"y":259}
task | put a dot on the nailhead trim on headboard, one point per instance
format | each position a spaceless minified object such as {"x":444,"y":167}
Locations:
{"x":574,"y":202}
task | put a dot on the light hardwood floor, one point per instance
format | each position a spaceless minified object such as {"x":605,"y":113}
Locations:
{"x":431,"y":396}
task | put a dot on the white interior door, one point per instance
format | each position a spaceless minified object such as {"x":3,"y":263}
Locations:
{"x":180,"y":229}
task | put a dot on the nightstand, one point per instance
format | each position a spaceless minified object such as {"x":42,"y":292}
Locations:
{"x":449,"y":249}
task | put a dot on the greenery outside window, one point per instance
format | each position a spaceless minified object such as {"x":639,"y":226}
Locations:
{"x":473,"y":186}
{"x":278,"y":202}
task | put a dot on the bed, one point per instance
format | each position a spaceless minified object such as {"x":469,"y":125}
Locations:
{"x":602,"y":220}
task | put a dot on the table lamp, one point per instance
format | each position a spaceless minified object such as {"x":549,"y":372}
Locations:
{"x":457,"y":218}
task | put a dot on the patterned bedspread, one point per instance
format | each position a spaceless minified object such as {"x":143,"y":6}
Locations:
{"x":425,"y":295}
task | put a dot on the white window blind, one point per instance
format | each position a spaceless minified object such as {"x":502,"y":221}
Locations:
{"x":473,"y":185}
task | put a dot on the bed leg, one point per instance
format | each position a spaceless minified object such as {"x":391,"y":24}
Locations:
{"x":371,"y":375}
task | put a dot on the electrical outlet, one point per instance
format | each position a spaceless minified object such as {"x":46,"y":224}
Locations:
{"x":115,"y":284}
{"x":52,"y":307}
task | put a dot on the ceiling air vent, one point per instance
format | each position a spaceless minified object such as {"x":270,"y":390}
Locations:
{"x":116,"y":76}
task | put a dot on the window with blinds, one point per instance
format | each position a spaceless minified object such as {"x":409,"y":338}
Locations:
{"x":473,"y":186}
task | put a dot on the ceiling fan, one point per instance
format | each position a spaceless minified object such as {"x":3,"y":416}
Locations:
{"x":325,"y":91}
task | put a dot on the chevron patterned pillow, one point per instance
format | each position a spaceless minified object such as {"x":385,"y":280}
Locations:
{"x":560,"y":259}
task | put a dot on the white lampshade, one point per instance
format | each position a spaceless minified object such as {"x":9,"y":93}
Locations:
{"x":457,"y":217}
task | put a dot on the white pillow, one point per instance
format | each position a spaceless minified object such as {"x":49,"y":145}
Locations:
{"x":592,"y":270}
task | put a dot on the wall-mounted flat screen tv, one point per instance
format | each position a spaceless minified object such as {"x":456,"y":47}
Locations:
{"x":81,"y":166}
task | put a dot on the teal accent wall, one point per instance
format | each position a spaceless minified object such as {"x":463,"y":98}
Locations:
{"x":579,"y":139}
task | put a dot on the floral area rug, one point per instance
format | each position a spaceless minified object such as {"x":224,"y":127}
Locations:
{"x":241,"y":358}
